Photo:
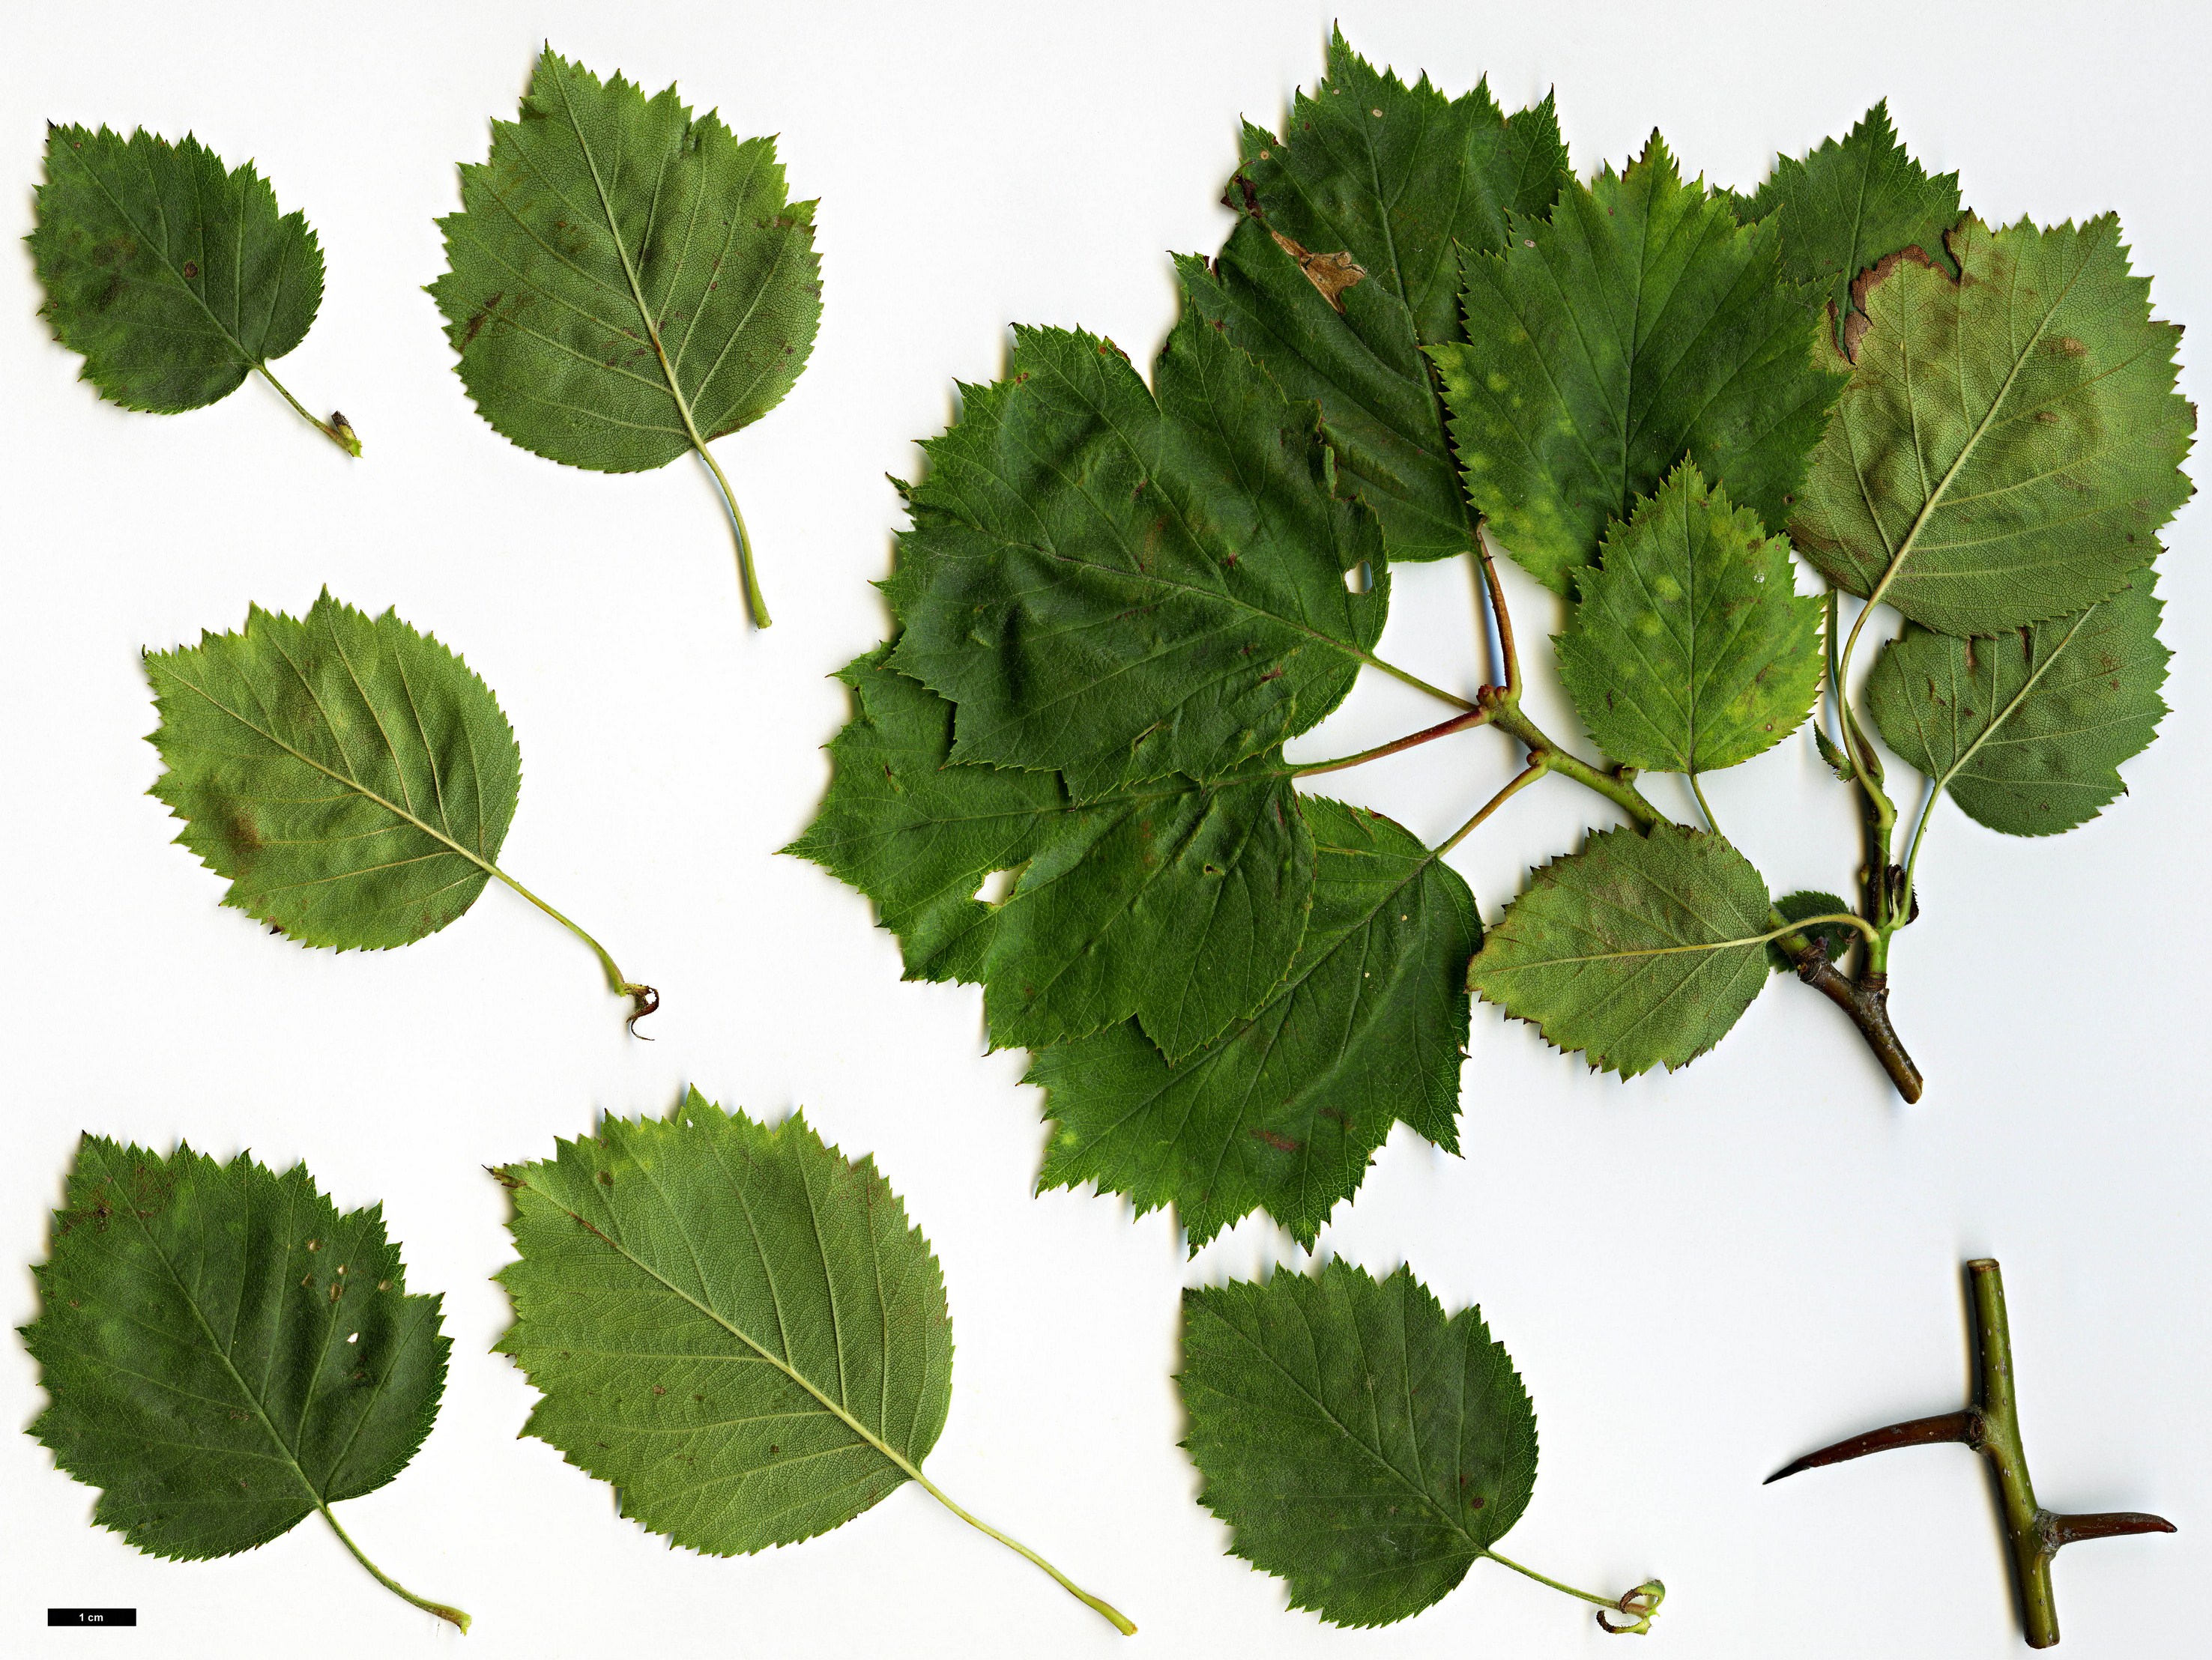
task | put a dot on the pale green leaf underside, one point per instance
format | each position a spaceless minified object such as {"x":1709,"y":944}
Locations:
{"x":626,"y":281}
{"x":223,"y":1353}
{"x":351,"y":778}
{"x":1637,"y":326}
{"x":2027,"y":731}
{"x":1178,"y":903}
{"x":174,"y":277}
{"x":1122,"y":583}
{"x":733,"y":1324}
{"x":1851,"y":202}
{"x":1360,"y":1445}
{"x":1284,"y":1110}
{"x":2010,"y":443}
{"x":1638,"y":951}
{"x":1689,"y":648}
{"x":1401,"y":180}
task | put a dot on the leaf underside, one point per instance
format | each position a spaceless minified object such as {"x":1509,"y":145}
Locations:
{"x":1689,"y":648}
{"x":1641,"y":950}
{"x":351,"y":778}
{"x":1360,"y":1446}
{"x":223,"y":1352}
{"x":2027,"y":731}
{"x":625,"y":278}
{"x":2010,"y":442}
{"x":1851,"y":202}
{"x":172,"y":276}
{"x":1638,"y":325}
{"x":1401,"y":183}
{"x":733,"y":1324}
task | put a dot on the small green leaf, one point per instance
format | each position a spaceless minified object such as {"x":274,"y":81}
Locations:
{"x":224,"y":1353}
{"x":1837,"y":936}
{"x":351,"y":778}
{"x":626,"y":281}
{"x":1123,"y":586}
{"x":734,"y":1326}
{"x":1284,"y":1110}
{"x":173,"y":278}
{"x":1689,"y":648}
{"x":1639,"y":951}
{"x":1360,"y":1445}
{"x":2010,"y":442}
{"x":1637,"y":326}
{"x":1345,"y":264}
{"x":1177,"y":903}
{"x":1854,"y":201}
{"x":2027,"y":731}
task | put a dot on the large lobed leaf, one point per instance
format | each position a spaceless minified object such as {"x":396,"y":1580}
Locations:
{"x":174,"y":277}
{"x":1177,"y":903}
{"x":1641,"y":950}
{"x":1124,"y":583}
{"x":626,"y":281}
{"x":1359,"y":1445}
{"x":1689,"y":647}
{"x":1638,"y":325}
{"x":2027,"y":731}
{"x":2010,"y":441}
{"x":733,"y":1324}
{"x":351,"y":778}
{"x":1344,"y":265}
{"x":1284,"y":1110}
{"x":1851,"y":202}
{"x":223,"y":1352}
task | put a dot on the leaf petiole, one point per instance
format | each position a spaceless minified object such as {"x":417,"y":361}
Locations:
{"x":338,"y":429}
{"x":643,"y":998}
{"x":1459,"y":723}
{"x":451,"y":1615}
{"x":1641,"y":1605}
{"x":755,"y":602}
{"x":1121,"y":1622}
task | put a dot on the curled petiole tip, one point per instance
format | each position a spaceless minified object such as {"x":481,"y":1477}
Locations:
{"x":1640,"y":1607}
{"x":643,"y":1001}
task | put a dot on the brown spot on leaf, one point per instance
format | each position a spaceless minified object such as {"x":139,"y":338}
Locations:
{"x":1329,"y":273}
{"x":1277,"y":1140}
{"x":192,"y":268}
{"x":2072,"y":347}
{"x":480,"y":317}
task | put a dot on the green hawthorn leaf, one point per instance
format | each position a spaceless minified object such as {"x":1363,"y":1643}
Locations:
{"x":1637,"y":326}
{"x":2010,"y":442}
{"x":351,"y":778}
{"x":1123,"y":586}
{"x":2028,"y":730}
{"x":173,"y":278}
{"x":1178,"y":904}
{"x":1360,"y":1445}
{"x":1641,"y":950}
{"x":733,"y":1324}
{"x":1837,"y":936}
{"x":1850,"y":203}
{"x":225,"y":1353}
{"x":1345,"y":264}
{"x":1284,"y":1110}
{"x":1689,"y":649}
{"x":626,"y":281}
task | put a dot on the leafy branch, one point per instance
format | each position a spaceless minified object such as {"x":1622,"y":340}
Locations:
{"x":1424,"y":339}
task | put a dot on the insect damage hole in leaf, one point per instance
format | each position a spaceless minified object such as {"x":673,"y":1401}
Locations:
{"x":628,"y":281}
{"x":174,"y":277}
{"x":1361,"y":1446}
{"x":353,"y":779}
{"x":224,"y":1353}
{"x":736,"y":1326}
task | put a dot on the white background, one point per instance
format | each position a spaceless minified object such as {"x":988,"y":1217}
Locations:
{"x":1698,"y":1276}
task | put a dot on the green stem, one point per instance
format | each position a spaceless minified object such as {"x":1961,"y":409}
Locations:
{"x":452,"y":1616}
{"x":1506,"y":715}
{"x":1536,"y":769}
{"x":643,"y":998}
{"x":1442,"y":729}
{"x":1641,"y":1604}
{"x":336,"y":429}
{"x":1703,"y":806}
{"x":756,"y":603}
{"x":1417,"y":682}
{"x":1121,"y":1622}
